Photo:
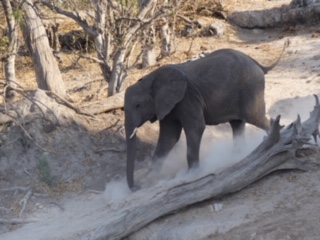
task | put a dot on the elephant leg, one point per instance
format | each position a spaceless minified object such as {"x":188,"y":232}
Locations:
{"x":194,"y":135}
{"x":238,"y":127}
{"x":170,"y":132}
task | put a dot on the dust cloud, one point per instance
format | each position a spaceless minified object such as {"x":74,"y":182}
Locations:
{"x":217,"y":147}
{"x":116,"y":191}
{"x":216,"y":153}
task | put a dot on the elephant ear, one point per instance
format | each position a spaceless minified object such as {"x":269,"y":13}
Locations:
{"x":168,"y":89}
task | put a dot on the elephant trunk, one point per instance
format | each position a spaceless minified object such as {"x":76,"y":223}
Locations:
{"x":131,"y":153}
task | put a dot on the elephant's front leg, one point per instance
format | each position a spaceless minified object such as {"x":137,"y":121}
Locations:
{"x":194,"y":132}
{"x":170,"y":131}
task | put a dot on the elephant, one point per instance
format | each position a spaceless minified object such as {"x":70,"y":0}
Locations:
{"x":224,"y":86}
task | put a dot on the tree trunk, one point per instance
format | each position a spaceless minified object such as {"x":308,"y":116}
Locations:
{"x":148,"y":39}
{"x":104,"y":105}
{"x":101,"y":39}
{"x":46,"y":67}
{"x":10,"y":58}
{"x":165,"y":35}
{"x":148,"y":54}
{"x":165,"y":38}
{"x":286,"y":15}
{"x":118,"y":72}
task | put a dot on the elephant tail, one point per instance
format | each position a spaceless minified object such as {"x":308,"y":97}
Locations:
{"x":267,"y":69}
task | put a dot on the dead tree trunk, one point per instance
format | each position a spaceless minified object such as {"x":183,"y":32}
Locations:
{"x":46,"y":67}
{"x":165,"y":38}
{"x":10,"y":58}
{"x":52,"y":31}
{"x":104,"y":105}
{"x":100,"y":40}
{"x":286,"y":15}
{"x":148,"y":54}
{"x":165,"y":35}
{"x":148,"y":38}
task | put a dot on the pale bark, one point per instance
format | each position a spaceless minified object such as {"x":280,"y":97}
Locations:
{"x":276,"y":17}
{"x":148,"y":39}
{"x":118,"y":72}
{"x":165,"y":38}
{"x":48,"y":74}
{"x":101,"y":38}
{"x":9,"y":59}
{"x":165,"y":35}
{"x":104,"y":105}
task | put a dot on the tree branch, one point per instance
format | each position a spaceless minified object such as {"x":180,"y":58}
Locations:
{"x":73,"y":15}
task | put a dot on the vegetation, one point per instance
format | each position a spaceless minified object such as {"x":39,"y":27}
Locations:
{"x":44,"y":172}
{"x":123,"y":32}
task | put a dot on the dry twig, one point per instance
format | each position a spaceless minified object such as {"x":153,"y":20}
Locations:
{"x":15,"y":221}
{"x":25,"y":200}
{"x":108,"y":149}
{"x":15,"y":189}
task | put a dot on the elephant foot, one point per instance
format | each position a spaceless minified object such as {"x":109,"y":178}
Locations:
{"x":135,"y":188}
{"x":153,"y":173}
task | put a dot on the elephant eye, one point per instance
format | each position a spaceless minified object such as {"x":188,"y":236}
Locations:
{"x":137,"y":106}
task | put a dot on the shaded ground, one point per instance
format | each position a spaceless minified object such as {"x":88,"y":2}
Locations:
{"x":85,"y":154}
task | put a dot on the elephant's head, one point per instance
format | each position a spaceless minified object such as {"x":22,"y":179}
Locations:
{"x":150,"y":99}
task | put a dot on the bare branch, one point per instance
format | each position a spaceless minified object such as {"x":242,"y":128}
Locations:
{"x":14,"y":189}
{"x":105,"y":105}
{"x":68,"y":104}
{"x":73,"y":15}
{"x":193,"y":22}
{"x":25,"y":200}
{"x":108,"y":149}
{"x":92,"y":58}
{"x":16,"y":221}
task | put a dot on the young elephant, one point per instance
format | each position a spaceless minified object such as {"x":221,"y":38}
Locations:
{"x":224,"y":86}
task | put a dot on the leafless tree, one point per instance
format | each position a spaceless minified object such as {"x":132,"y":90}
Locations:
{"x":116,"y":27}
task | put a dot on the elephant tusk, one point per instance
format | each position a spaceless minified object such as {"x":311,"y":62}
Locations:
{"x":133,"y":133}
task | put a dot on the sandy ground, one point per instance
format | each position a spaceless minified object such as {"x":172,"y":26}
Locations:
{"x":283,"y":205}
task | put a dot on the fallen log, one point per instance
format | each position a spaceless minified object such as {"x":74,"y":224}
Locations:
{"x":277,"y":151}
{"x":276,"y":17}
{"x":104,"y":105}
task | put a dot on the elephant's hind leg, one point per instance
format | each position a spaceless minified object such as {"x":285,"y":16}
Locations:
{"x":238,"y":127}
{"x":170,"y":132}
